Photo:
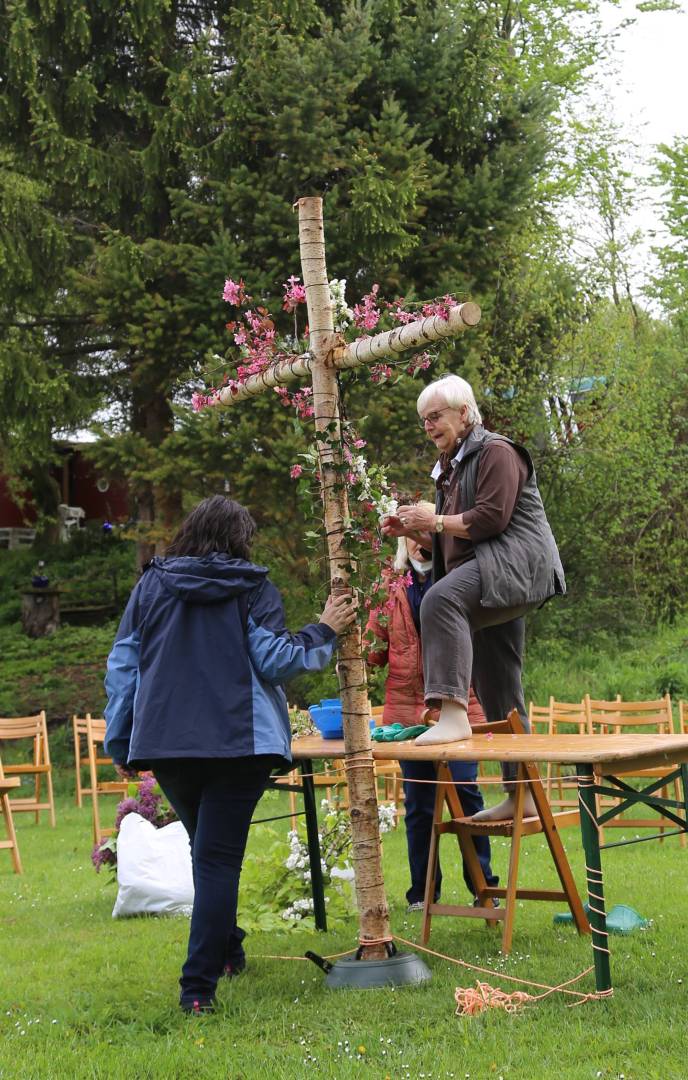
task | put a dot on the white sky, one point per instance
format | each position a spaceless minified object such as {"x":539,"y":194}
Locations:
{"x":648,"y":95}
{"x":652,"y":92}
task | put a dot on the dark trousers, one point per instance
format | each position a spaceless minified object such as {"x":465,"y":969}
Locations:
{"x":419,"y":809}
{"x":214,"y":799}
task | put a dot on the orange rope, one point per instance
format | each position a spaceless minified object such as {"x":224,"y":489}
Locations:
{"x":487,"y":997}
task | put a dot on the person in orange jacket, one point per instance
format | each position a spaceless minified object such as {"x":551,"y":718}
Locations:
{"x":397,"y":630}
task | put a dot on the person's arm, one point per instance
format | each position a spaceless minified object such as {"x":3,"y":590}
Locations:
{"x":502,"y":473}
{"x":419,"y":524}
{"x":278,"y":655}
{"x":121,"y":681}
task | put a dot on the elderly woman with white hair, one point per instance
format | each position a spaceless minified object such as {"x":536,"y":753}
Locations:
{"x":397,"y":644}
{"x":494,"y":559}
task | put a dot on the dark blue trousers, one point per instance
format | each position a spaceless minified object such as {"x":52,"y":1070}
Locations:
{"x":419,"y":808}
{"x":215,"y":799}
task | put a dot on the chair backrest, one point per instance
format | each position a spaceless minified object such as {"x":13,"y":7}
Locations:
{"x":618,"y":717}
{"x":513,"y":725}
{"x":568,"y":718}
{"x":34,"y":728}
{"x":28,"y":727}
{"x":540,"y":717}
{"x":683,"y":717}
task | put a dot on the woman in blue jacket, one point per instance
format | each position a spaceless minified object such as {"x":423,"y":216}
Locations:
{"x":194,"y":693}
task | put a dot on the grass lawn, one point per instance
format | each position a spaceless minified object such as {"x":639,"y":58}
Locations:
{"x":83,"y":995}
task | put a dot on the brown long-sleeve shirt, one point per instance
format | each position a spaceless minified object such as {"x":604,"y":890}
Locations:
{"x":502,"y":472}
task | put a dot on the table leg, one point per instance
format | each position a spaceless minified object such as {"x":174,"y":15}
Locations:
{"x":317,"y":885}
{"x":593,"y":867}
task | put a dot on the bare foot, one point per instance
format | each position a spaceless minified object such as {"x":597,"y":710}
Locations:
{"x":452,"y":726}
{"x":504,"y":811}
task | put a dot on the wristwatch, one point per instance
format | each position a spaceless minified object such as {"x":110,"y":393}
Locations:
{"x":439,"y":523}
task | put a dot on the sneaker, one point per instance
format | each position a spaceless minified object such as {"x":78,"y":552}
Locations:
{"x":477,"y":902}
{"x":198,"y":1006}
{"x":417,"y":905}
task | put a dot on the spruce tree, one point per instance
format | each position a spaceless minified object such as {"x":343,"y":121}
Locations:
{"x":166,"y":142}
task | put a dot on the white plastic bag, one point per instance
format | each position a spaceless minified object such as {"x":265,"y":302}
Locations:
{"x":153,"y":869}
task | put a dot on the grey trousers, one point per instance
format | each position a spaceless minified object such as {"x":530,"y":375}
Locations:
{"x":464,"y":642}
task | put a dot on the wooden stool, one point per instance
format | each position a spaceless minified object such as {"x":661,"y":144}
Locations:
{"x":464,"y":828}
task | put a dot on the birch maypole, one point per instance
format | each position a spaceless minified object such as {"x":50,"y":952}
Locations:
{"x":328,"y":354}
{"x":366,"y":849}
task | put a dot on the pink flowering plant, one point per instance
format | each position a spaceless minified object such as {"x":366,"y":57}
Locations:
{"x":143,"y":797}
{"x":259,"y":347}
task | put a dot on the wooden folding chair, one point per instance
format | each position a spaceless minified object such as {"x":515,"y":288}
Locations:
{"x":565,"y":718}
{"x":81,"y":758}
{"x":7,"y":784}
{"x":464,"y":828}
{"x":539,"y":717}
{"x":95,"y":736}
{"x":618,"y":718}
{"x":34,"y":729}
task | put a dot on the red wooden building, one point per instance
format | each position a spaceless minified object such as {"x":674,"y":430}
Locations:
{"x":101,"y":498}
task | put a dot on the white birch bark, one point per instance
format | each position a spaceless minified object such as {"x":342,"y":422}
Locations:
{"x":366,"y":850}
{"x":365,"y":350}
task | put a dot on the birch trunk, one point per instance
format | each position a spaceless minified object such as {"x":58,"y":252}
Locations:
{"x":365,"y":350}
{"x":370,"y":891}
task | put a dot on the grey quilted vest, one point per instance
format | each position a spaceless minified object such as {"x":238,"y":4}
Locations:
{"x":522,"y":564}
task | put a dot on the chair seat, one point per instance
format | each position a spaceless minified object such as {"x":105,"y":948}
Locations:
{"x":529,"y":825}
{"x":9,"y":782}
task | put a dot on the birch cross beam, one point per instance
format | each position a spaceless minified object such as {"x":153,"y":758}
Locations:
{"x":365,"y":350}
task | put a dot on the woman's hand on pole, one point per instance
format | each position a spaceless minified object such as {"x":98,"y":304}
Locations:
{"x":339,"y":612}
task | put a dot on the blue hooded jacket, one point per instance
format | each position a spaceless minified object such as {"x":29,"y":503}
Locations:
{"x":198,"y":662}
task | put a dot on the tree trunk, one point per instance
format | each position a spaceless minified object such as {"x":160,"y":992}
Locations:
{"x":159,"y":508}
{"x":367,"y":852}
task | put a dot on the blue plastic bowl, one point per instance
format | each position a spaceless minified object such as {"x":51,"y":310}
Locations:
{"x":328,"y":721}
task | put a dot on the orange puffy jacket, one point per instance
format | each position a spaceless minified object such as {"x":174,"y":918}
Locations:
{"x":401,"y":650}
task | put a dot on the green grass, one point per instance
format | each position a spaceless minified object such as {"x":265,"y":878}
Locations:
{"x":82,"y":995}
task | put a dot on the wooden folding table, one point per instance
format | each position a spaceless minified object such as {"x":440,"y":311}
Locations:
{"x":596,"y":758}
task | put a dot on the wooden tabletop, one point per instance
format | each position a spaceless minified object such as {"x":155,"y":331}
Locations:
{"x":628,"y":751}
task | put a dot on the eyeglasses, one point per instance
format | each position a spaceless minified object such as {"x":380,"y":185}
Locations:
{"x":432,"y":417}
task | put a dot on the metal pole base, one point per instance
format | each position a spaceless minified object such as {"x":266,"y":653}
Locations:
{"x":402,"y":969}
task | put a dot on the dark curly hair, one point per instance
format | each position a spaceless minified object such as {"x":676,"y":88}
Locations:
{"x":216,"y":524}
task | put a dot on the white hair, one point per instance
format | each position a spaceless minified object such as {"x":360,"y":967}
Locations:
{"x":456,"y":392}
{"x":401,"y":559}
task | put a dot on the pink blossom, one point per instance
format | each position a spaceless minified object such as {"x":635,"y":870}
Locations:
{"x":295,"y":471}
{"x":367,"y":314}
{"x":232,"y":291}
{"x":359,"y":444}
{"x":294,"y":293}
{"x":380,"y":372}
{"x":419,"y":363}
{"x":440,"y":307}
{"x":198,"y":401}
{"x":399,"y":314}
